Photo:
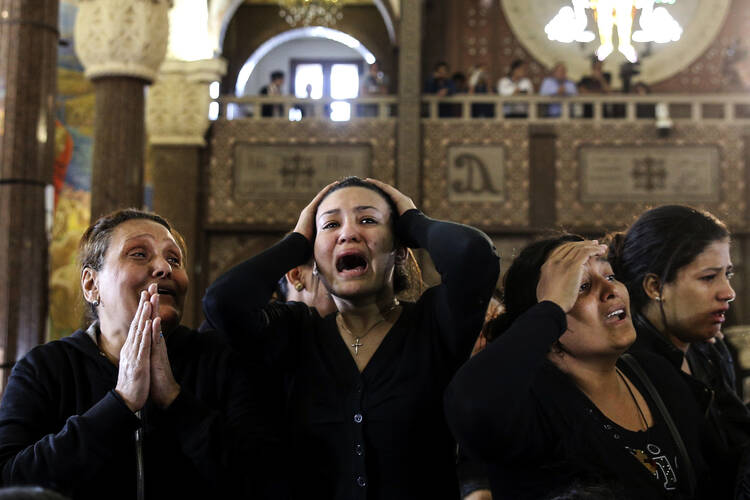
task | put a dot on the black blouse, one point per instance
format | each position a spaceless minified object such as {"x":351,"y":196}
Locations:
{"x":512,"y":408}
{"x":380,"y":433}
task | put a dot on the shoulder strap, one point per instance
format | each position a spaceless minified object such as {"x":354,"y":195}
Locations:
{"x":638,"y":371}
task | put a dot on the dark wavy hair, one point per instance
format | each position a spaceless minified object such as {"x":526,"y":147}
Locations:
{"x":661,"y":241}
{"x":521,"y":279}
{"x":407,"y":275}
{"x":95,"y":241}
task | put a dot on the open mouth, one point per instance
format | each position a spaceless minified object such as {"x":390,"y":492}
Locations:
{"x":719,"y":316}
{"x":353,"y":263}
{"x":618,"y":314}
{"x":165,"y":291}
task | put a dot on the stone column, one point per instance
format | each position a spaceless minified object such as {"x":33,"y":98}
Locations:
{"x":409,"y":139}
{"x":28,"y":78}
{"x":121,"y":43}
{"x":177,"y":120}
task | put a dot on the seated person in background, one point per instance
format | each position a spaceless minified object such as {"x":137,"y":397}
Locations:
{"x":441,"y":85}
{"x":513,"y":84}
{"x":83,"y":414}
{"x":557,"y":85}
{"x":274,"y":88}
{"x":374,"y":82}
{"x":479,"y":83}
{"x":599,"y":82}
{"x":460,"y":83}
{"x":302,"y":284}
{"x":676,"y":263}
{"x":553,"y":400}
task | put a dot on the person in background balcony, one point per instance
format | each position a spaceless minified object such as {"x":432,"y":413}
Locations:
{"x":515,"y":83}
{"x":441,"y":85}
{"x":365,"y":396}
{"x":479,"y":84}
{"x":557,"y":85}
{"x":275,"y":88}
{"x":550,"y":402}
{"x":136,"y":399}
{"x":676,"y":263}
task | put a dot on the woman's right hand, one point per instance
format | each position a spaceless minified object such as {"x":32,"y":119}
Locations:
{"x":306,"y":223}
{"x":561,"y":275}
{"x":134,"y":376}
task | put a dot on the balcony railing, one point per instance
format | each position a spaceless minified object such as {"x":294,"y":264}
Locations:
{"x":715,"y":108}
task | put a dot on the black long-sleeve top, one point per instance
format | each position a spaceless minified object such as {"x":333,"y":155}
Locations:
{"x":379,"y":434}
{"x":538,"y":433}
{"x":64,"y":427}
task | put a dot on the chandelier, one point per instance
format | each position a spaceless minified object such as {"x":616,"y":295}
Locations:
{"x":310,"y":12}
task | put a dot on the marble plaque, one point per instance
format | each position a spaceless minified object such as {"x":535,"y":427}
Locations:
{"x":475,"y":173}
{"x":666,"y":174}
{"x":263,"y":172}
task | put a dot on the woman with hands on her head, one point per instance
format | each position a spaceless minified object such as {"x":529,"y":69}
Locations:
{"x":364,"y":406}
{"x":562,"y":405}
{"x":71,"y":409}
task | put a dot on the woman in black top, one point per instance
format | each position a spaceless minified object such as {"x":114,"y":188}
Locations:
{"x":365,"y":388}
{"x":119,"y":407}
{"x":676,"y":263}
{"x":550,"y":403}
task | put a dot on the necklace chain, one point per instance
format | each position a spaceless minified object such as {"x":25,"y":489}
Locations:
{"x":357,"y":338}
{"x":632,"y":396}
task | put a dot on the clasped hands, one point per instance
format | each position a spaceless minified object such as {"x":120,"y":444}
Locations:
{"x":144,"y":370}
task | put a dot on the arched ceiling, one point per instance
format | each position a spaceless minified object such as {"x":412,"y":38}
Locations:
{"x":220,"y":12}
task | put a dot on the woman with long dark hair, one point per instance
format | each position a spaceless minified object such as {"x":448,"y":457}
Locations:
{"x":552,"y":401}
{"x":676,"y":263}
{"x":365,"y":387}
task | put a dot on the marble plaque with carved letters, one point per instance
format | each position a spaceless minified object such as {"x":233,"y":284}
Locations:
{"x":658,"y":174}
{"x":475,"y":173}
{"x":264,"y":172}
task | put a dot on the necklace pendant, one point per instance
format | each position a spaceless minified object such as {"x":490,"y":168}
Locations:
{"x":356,"y":345}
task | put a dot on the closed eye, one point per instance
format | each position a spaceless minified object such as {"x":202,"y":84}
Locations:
{"x":708,"y":277}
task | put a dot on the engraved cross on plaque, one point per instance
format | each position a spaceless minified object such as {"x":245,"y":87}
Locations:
{"x":356,"y":345}
{"x":649,"y":174}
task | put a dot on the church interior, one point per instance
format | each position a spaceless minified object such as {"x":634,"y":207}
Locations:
{"x":227,"y":116}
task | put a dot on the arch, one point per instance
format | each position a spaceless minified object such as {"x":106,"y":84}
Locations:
{"x":225,"y":10}
{"x":294,"y":34}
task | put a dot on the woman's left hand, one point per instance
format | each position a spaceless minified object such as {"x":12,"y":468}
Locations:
{"x":164,"y":388}
{"x":403,"y":202}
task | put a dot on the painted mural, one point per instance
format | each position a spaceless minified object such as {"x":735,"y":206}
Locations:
{"x":72,"y":179}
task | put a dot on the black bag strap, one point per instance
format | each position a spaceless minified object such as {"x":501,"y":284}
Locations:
{"x":638,"y":371}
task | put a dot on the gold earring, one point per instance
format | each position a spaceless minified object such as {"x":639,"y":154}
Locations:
{"x":299,"y":286}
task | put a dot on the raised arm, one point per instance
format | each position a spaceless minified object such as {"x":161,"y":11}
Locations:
{"x":235,"y":302}
{"x":468,"y":265}
{"x":490,"y":404}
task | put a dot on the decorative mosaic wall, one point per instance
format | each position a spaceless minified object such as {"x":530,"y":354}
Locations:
{"x":476,"y":173}
{"x":310,"y":155}
{"x":631,"y":139}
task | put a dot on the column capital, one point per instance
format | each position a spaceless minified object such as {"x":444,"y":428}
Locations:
{"x":178,"y":102}
{"x":122,"y":37}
